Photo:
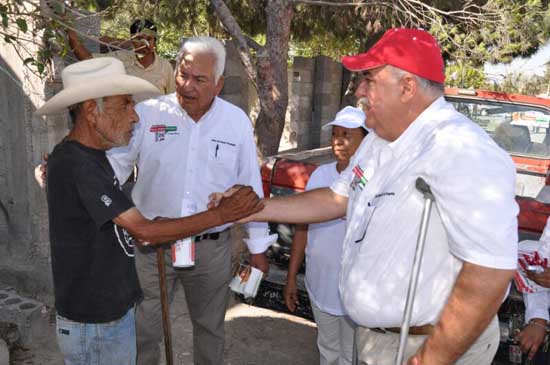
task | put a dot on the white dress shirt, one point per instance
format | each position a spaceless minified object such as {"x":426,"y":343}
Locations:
{"x":179,"y":159}
{"x":537,"y":305}
{"x":474,"y":218}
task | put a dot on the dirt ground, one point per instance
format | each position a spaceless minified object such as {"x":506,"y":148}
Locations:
{"x":254,"y":336}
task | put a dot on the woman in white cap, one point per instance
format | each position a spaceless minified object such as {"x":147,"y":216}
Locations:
{"x":321,"y":244}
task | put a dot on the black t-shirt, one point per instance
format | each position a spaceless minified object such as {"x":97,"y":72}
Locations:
{"x":95,"y":279}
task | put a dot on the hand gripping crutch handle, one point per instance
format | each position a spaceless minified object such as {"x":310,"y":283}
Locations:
{"x":424,"y":188}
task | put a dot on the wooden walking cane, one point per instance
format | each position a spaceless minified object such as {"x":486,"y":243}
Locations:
{"x":164,"y":304}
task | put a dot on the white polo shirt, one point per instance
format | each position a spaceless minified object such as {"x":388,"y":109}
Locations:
{"x":179,"y":158}
{"x":323,"y":250}
{"x":474,"y":218}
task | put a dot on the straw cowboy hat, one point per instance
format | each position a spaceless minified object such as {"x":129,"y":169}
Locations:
{"x":95,"y":78}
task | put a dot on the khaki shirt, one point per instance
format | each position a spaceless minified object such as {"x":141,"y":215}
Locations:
{"x":160,"y":73}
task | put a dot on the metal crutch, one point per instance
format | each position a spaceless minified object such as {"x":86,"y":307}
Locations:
{"x":424,"y":188}
{"x":164,"y":305}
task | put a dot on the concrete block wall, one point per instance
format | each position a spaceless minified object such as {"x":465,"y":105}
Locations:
{"x":296,"y":133}
{"x":235,"y":89}
{"x":30,"y":316}
{"x":326,"y":99}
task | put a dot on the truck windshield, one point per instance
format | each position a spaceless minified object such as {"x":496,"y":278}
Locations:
{"x":519,"y":129}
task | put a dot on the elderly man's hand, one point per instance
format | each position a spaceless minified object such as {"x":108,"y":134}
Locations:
{"x":543,"y":279}
{"x":215,"y":198}
{"x":532,"y":337}
{"x":241,"y":203}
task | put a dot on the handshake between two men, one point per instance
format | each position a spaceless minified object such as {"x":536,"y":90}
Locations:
{"x":235,"y":204}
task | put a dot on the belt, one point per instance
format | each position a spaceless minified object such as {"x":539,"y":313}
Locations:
{"x":207,"y":236}
{"x":424,"y":330}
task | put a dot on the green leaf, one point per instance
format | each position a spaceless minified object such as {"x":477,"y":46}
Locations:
{"x":59,"y":7}
{"x":7,"y":38}
{"x":40,"y":67}
{"x":4,"y":20}
{"x":28,"y":60}
{"x":22,"y":24}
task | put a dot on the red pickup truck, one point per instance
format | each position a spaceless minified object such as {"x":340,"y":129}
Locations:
{"x":520,"y":124}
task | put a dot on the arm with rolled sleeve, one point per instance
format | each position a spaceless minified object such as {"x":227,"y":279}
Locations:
{"x":473,"y":185}
{"x":259,"y":239}
{"x":123,"y":159}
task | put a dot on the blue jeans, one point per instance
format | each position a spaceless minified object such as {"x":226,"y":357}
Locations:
{"x":98,"y":343}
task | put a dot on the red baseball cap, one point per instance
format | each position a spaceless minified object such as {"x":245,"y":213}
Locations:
{"x":412,"y":50}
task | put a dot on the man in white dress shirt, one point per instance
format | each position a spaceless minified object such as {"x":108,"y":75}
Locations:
{"x":471,"y":247}
{"x":186,"y":146}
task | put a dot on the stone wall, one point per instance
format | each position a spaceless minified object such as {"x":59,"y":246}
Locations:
{"x":24,"y":249}
{"x":24,"y":138}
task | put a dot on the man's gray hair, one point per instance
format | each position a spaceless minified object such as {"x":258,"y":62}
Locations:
{"x":74,"y":109}
{"x":201,"y":45}
{"x":428,"y":85}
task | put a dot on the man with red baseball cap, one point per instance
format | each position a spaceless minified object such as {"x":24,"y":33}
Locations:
{"x":471,"y":243}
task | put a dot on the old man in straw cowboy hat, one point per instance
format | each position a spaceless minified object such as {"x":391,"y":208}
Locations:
{"x":92,"y":222}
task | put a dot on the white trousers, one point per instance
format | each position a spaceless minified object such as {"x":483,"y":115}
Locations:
{"x":375,"y":348}
{"x":334,"y":337}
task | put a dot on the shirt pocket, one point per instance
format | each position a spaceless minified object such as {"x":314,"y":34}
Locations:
{"x":362,"y":228}
{"x":222,"y":164}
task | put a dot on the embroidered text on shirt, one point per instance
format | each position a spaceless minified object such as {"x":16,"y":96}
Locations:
{"x":223,"y":142}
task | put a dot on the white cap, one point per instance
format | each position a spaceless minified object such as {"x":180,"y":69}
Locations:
{"x":349,"y":117}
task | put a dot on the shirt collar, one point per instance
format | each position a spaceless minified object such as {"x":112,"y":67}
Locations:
{"x":206,"y":115}
{"x":152,"y":65}
{"x":210,"y":111}
{"x":412,"y":134}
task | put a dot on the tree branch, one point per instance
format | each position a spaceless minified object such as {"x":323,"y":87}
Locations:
{"x":253,"y":44}
{"x":235,"y":31}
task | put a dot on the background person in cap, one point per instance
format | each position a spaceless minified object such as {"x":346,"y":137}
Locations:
{"x":324,"y":247}
{"x":471,"y":247}
{"x":142,"y":62}
{"x":186,"y":146}
{"x":92,"y":222}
